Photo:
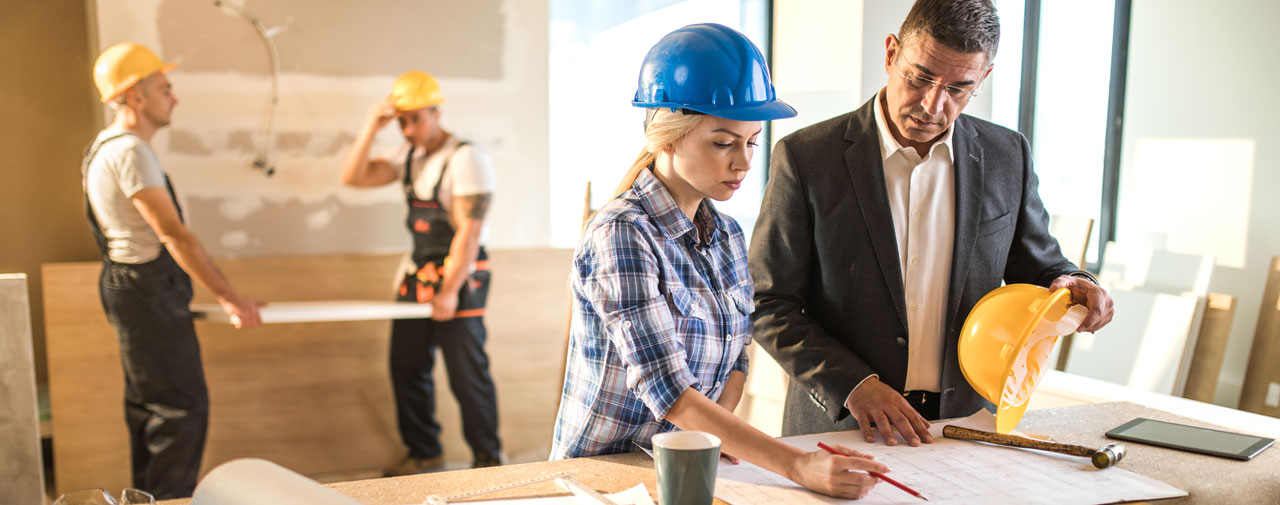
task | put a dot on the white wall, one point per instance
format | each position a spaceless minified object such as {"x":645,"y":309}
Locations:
{"x":1199,"y":157}
{"x":500,"y":103}
{"x":823,"y":83}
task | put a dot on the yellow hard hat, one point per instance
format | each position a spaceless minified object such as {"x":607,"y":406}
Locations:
{"x":123,"y":65}
{"x":1006,"y":340}
{"x":414,"y":90}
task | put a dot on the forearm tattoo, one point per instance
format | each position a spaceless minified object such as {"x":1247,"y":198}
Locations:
{"x":474,"y":206}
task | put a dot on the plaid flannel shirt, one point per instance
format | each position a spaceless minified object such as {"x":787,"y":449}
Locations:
{"x":657,"y":310}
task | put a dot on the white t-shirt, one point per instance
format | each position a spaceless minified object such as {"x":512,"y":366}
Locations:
{"x":470,"y":173}
{"x":123,"y":167}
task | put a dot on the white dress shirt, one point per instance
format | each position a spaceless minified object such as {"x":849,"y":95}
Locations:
{"x":922,"y":199}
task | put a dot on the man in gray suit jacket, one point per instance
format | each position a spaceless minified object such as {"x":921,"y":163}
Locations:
{"x":881,"y":228}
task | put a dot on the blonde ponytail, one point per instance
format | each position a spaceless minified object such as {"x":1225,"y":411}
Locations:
{"x":663,"y":128}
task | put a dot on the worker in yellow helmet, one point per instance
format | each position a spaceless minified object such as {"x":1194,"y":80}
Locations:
{"x":148,"y":259}
{"x":448,"y":185}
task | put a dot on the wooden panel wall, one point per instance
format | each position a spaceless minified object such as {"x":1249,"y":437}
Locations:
{"x":312,"y":397}
{"x":1211,"y":347}
{"x":43,"y":205}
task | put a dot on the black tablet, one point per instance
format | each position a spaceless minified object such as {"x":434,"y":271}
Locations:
{"x":1190,"y":438}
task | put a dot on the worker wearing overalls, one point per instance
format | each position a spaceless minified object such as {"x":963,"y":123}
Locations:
{"x":448,"y":184}
{"x":149,"y":258}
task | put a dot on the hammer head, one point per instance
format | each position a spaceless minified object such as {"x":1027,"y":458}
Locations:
{"x":1108,"y":455}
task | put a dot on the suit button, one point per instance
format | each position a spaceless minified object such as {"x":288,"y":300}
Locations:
{"x":902,"y":341}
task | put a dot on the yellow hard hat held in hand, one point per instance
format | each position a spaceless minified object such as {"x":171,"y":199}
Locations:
{"x":1006,"y":341}
{"x":122,"y":66}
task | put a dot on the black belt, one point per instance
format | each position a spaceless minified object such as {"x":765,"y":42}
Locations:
{"x":925,"y":402}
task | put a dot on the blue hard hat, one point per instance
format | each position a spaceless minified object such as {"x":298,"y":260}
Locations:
{"x":712,"y":69}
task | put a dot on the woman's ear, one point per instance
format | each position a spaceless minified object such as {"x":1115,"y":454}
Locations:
{"x":670,"y":148}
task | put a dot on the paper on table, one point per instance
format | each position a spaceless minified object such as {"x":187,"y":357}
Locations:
{"x":952,"y":471}
{"x":984,"y":421}
{"x":634,"y":496}
{"x":252,"y":481}
{"x":980,"y":420}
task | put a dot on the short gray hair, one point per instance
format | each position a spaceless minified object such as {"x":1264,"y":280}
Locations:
{"x":967,"y":26}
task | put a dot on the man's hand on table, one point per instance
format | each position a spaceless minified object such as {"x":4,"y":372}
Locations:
{"x":875,"y":402}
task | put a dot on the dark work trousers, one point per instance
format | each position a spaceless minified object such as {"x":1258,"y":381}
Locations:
{"x":461,"y":344}
{"x":166,"y":400}
{"x":460,"y":340}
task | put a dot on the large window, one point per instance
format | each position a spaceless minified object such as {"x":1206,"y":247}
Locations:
{"x":596,"y":50}
{"x":1004,"y":87}
{"x":1072,"y":83}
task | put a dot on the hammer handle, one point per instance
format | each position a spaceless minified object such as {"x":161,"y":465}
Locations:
{"x":950,"y":431}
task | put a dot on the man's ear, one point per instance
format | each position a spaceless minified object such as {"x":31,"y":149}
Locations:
{"x":891,"y":48}
{"x":132,"y":97}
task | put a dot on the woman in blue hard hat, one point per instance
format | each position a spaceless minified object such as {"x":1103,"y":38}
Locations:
{"x":663,"y":297}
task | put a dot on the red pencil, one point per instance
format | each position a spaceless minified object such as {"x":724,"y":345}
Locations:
{"x":878,"y":475}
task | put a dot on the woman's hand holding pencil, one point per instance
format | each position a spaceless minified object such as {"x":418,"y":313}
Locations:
{"x":837,"y":474}
{"x":874,"y":473}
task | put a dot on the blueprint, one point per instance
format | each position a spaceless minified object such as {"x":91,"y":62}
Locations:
{"x":953,"y":472}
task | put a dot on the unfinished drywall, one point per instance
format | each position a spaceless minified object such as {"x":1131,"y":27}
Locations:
{"x":302,"y":224}
{"x":453,"y":39}
{"x":337,"y":60}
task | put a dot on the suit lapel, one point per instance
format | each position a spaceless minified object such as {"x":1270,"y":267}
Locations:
{"x":968,"y":184}
{"x":866,"y":170}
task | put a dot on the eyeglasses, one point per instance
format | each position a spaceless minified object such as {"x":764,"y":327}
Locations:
{"x":920,"y":82}
{"x":100,"y":496}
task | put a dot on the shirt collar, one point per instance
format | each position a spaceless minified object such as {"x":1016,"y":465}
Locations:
{"x":890,"y":146}
{"x":661,"y":206}
{"x":420,"y":153}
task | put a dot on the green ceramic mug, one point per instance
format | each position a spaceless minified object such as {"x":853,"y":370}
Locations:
{"x":686,"y":462}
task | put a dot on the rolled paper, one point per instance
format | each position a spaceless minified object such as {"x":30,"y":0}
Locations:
{"x":253,"y":481}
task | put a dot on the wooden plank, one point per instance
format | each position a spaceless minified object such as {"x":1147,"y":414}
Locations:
{"x":21,"y":468}
{"x":1211,"y":347}
{"x":1261,"y":391}
{"x":321,"y":311}
{"x":313,"y":397}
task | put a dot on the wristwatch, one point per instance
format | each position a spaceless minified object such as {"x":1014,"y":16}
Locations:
{"x":1087,"y":275}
